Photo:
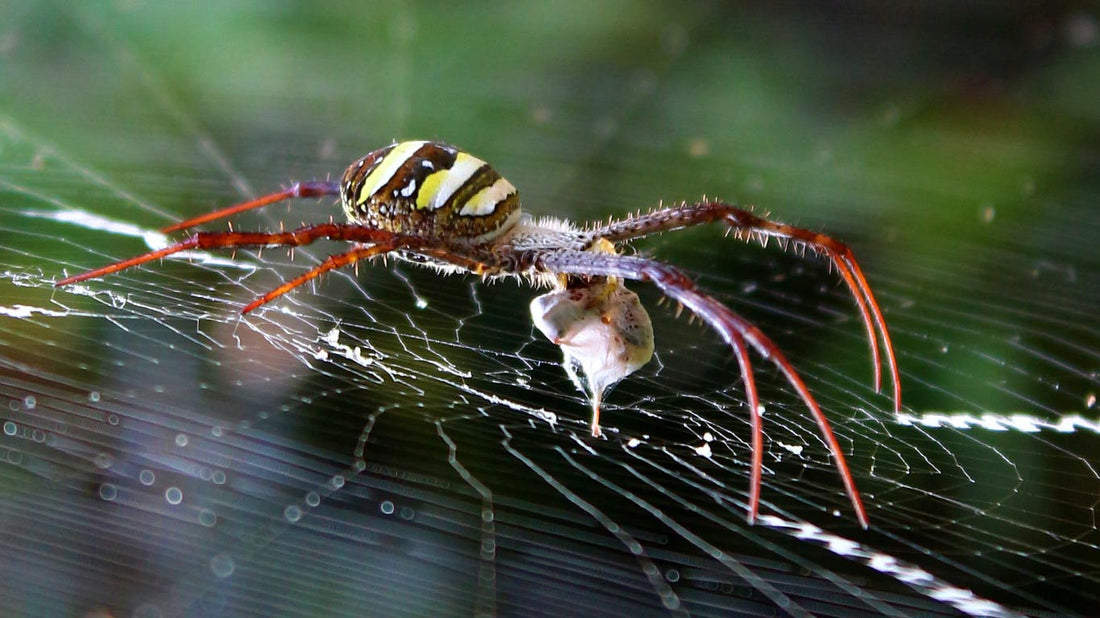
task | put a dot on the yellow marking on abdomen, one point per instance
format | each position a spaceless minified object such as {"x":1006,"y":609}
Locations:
{"x":440,"y":186}
{"x":485,"y":202}
{"x":386,"y":169}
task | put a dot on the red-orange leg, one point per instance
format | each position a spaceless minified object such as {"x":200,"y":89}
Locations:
{"x":746,"y":223}
{"x":331,"y":263}
{"x":298,"y":189}
{"x":454,"y":255}
{"x":226,"y":240}
{"x":735,"y":330}
{"x":845,"y":262}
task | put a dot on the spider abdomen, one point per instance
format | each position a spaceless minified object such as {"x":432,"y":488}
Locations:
{"x":431,"y":190}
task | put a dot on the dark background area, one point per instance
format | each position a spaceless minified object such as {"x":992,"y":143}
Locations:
{"x":163,"y":456}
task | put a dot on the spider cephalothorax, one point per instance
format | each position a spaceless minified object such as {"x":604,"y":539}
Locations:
{"x":437,"y":205}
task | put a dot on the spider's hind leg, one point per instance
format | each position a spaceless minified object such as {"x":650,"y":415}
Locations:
{"x":331,"y":263}
{"x":457,"y":256}
{"x":231,"y":240}
{"x":298,"y":189}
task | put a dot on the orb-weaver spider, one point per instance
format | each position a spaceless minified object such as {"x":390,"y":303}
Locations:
{"x":436,"y":205}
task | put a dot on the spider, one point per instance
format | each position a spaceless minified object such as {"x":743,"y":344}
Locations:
{"x":438,"y":206}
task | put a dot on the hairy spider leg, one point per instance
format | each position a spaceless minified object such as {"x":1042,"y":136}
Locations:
{"x":845,"y":262}
{"x":734,"y":329}
{"x":298,"y":189}
{"x":746,"y":222}
{"x":331,"y":263}
{"x":413,"y":243}
{"x":226,"y":240}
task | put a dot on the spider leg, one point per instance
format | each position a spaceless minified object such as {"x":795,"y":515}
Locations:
{"x":225,"y":240}
{"x":331,"y":263}
{"x":746,"y":223}
{"x":298,"y":189}
{"x":733,"y":328}
{"x":845,"y":262}
{"x":473,"y":258}
{"x":457,"y":255}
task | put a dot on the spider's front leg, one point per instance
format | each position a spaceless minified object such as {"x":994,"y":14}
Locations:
{"x":745,"y":223}
{"x":734,"y":329}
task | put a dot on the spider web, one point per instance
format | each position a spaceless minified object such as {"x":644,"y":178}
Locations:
{"x":393,"y":440}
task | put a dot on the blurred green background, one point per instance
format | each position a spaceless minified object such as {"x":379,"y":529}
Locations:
{"x":954,"y":147}
{"x":929,"y":137}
